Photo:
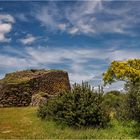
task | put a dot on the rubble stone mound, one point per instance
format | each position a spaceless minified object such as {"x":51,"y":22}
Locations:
{"x":18,"y":88}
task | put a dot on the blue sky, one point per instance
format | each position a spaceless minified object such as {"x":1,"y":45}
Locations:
{"x":81,"y":37}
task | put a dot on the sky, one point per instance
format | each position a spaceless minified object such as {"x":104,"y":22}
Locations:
{"x":81,"y":37}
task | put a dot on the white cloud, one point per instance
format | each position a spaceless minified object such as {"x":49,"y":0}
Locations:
{"x":78,"y":78}
{"x":125,"y":54}
{"x":6,"y":18}
{"x":22,"y":17}
{"x":119,"y":85}
{"x":51,"y":17}
{"x":10,"y":61}
{"x":89,"y":17}
{"x":47,"y":55}
{"x":6,"y":22}
{"x":48,"y":16}
{"x":29,"y":39}
{"x":5,"y":28}
{"x":3,"y":39}
{"x":73,"y":30}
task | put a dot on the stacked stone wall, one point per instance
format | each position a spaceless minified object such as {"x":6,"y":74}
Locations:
{"x":13,"y":94}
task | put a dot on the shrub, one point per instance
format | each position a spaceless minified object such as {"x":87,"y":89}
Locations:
{"x":114,"y":101}
{"x":130,"y":106}
{"x":121,"y":110}
{"x":79,"y":107}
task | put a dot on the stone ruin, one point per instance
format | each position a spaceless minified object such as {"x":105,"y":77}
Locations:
{"x":32,"y":87}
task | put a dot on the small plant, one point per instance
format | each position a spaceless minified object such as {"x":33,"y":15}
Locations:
{"x":79,"y":107}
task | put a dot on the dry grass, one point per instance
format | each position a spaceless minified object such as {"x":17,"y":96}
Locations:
{"x":24,"y":75}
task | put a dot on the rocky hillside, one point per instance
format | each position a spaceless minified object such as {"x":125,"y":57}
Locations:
{"x":18,"y":88}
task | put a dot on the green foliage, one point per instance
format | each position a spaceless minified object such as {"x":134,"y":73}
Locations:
{"x":133,"y":101}
{"x":121,"y":109}
{"x":113,"y":102}
{"x":114,"y":92}
{"x":129,"y":108}
{"x":79,"y":107}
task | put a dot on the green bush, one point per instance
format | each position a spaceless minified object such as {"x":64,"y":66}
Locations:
{"x":129,"y":108}
{"x":121,"y":110}
{"x":112,"y":99}
{"x":79,"y":107}
{"x":114,"y":102}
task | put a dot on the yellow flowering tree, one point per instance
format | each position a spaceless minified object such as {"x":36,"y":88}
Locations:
{"x":128,"y":71}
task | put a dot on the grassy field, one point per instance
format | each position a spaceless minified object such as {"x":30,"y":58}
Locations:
{"x":22,"y":123}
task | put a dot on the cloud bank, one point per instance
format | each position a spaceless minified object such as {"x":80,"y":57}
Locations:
{"x":90,"y":17}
